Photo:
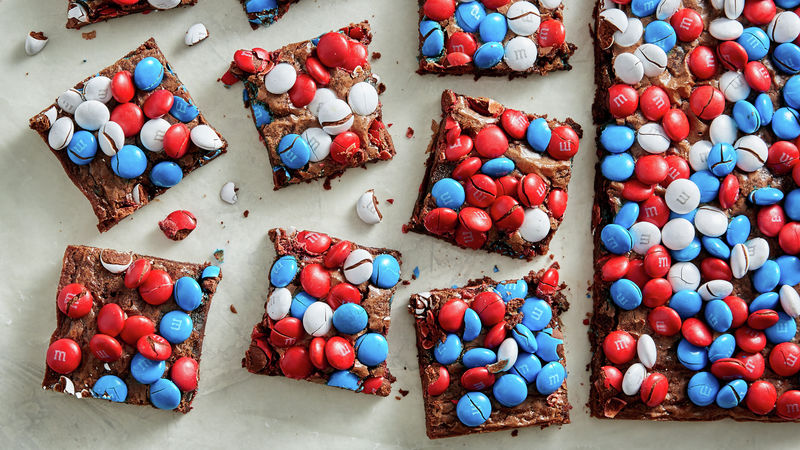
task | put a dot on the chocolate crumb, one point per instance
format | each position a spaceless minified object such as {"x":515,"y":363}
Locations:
{"x":246,"y":213}
{"x":390,"y":201}
{"x":514,"y":433}
{"x":89,"y":35}
{"x":406,"y":282}
{"x":376,"y":55}
{"x":233,"y":309}
{"x":410,"y":132}
{"x":404,"y":392}
{"x":397,"y":397}
{"x":381,"y":88}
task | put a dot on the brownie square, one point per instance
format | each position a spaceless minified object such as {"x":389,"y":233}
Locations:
{"x":265,"y":12}
{"x":733,"y":354}
{"x":102,"y":272}
{"x":494,"y":38}
{"x":327,"y":313}
{"x":461,"y":333}
{"x":85,"y":12}
{"x":507,"y":199}
{"x":113,"y":197}
{"x":301,"y":145}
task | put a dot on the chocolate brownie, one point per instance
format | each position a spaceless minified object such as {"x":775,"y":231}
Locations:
{"x":315,"y":104}
{"x":96,"y":342}
{"x":493,"y":37}
{"x":140,"y":154}
{"x":517,"y":201}
{"x":327,"y":314}
{"x":692,"y":243}
{"x":84,"y":12}
{"x":265,"y":12}
{"x":482,"y":367}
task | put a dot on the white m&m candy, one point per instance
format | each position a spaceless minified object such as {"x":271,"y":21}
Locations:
{"x":617,"y":18}
{"x":682,"y":196}
{"x":550,"y":4}
{"x":280,"y":79}
{"x":711,"y":221}
{"x":363,"y":98}
{"x":152,"y":134}
{"x":740,"y":261}
{"x":164,"y":4}
{"x":734,"y":86}
{"x":322,"y":96}
{"x":520,"y":53}
{"x":633,"y":378}
{"x":683,"y":275}
{"x":751,"y":153}
{"x":318,"y":319}
{"x":790,"y":301}
{"x":523,"y":18}
{"x":646,"y":350}
{"x":784,"y":27}
{"x":698,"y":155}
{"x":666,"y":8}
{"x":367,"y":208}
{"x":205,"y":137}
{"x":715,"y":289}
{"x":98,"y":88}
{"x":652,"y":138}
{"x":653,"y":58}
{"x":335,"y":117}
{"x":91,"y":115}
{"x":631,"y":35}
{"x":111,"y":138}
{"x":733,"y":8}
{"x":723,"y":129}
{"x":196,"y":33}
{"x":645,"y":235}
{"x":535,"y":225}
{"x":358,"y":266}
{"x":280,"y":301}
{"x":628,"y":68}
{"x":725,"y":29}
{"x":758,"y":250}
{"x":677,"y":234}
{"x":320,"y":143}
{"x":60,"y":133}
{"x":70,"y":100}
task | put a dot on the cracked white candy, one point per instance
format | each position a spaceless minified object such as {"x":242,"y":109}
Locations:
{"x":367,"y":208}
{"x":196,"y":33}
{"x":228,"y":193}
{"x":35,"y":42}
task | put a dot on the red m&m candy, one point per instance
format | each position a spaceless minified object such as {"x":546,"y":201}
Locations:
{"x":623,"y":100}
{"x":136,"y":327}
{"x":757,"y":76}
{"x":715,"y":269}
{"x":656,"y":292}
{"x":75,"y":300}
{"x":158,"y":103}
{"x":345,"y":147}
{"x":707,"y":102}
{"x":750,"y":340}
{"x":563,"y":143}
{"x":636,"y":273}
{"x":496,"y":335}
{"x":697,"y":332}
{"x":615,"y":268}
{"x":468,"y":167}
{"x":122,"y":88}
{"x":474,"y":219}
{"x":612,"y":378}
{"x":619,"y":347}
{"x":788,"y":405}
{"x":477,"y":379}
{"x":303,"y":91}
{"x":687,"y":23}
{"x":657,"y":261}
{"x":491,"y":142}
{"x":252,"y":61}
{"x":759,"y":12}
{"x":183,"y":373}
{"x":295,"y":363}
{"x":782,"y":157}
{"x":480,"y":190}
{"x":770,"y":220}
{"x":702,"y":62}
{"x":728,"y":191}
{"x":515,"y":123}
{"x":761,"y":397}
{"x":439,"y":9}
{"x":157,"y":287}
{"x":789,"y":238}
{"x":313,"y":242}
{"x":636,"y":191}
{"x":129,"y":117}
{"x":551,"y":33}
{"x":678,"y":168}
{"x":664,"y":320}
{"x":316,"y":281}
{"x":317,"y":71}
{"x":654,"y":103}
{"x":548,"y":283}
{"x":286,"y":332}
{"x":357,"y":56}
{"x":753,"y":363}
{"x":137,"y":273}
{"x":441,"y":383}
{"x":458,"y":148}
{"x":105,"y":348}
{"x":557,"y":202}
{"x":762,"y":319}
{"x":343,"y":293}
{"x":154,"y":347}
{"x":451,"y":314}
{"x":371,"y":385}
{"x":651,"y":169}
{"x":728,"y":369}
{"x":507,"y":214}
{"x":732,"y":55}
{"x":490,"y":307}
{"x":675,"y":124}
{"x":316,"y":352}
{"x":333,"y":49}
{"x":531,"y":190}
{"x":441,"y":221}
{"x":784,"y":359}
{"x":654,"y":389}
{"x":337,"y":254}
{"x":507,"y":185}
{"x":340,"y":353}
{"x":64,"y":356}
{"x":461,"y":42}
{"x":110,"y":319}
{"x":738,"y":309}
{"x":176,"y":140}
{"x":470,"y":238}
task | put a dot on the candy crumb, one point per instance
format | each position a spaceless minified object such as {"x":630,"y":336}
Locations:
{"x":403,"y":392}
{"x":376,"y":55}
{"x":89,"y":35}
{"x":246,"y":213}
{"x":219,"y":255}
{"x":410,"y":133}
{"x":397,"y":397}
{"x":233,"y":309}
{"x":406,"y":282}
{"x":415,"y":273}
{"x":496,"y":269}
{"x":390,"y":201}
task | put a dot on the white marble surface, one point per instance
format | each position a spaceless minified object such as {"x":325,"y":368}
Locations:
{"x":42,"y":212}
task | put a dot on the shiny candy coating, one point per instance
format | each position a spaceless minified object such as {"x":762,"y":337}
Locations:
{"x":156,"y":288}
{"x":110,"y":387}
{"x":164,"y":394}
{"x":166,"y":174}
{"x":550,"y":378}
{"x":176,"y":326}
{"x":105,"y":348}
{"x":146,"y":371}
{"x":474,"y":408}
{"x":385,"y":271}
{"x":183,"y":373}
{"x":148,"y":74}
{"x":510,"y":390}
{"x":371,"y":349}
{"x":188,"y":294}
{"x":449,"y":351}
{"x":129,"y":162}
{"x":136,"y":327}
{"x":283,"y":271}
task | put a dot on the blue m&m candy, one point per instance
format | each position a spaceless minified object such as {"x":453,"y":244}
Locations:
{"x":300,"y":303}
{"x":469,"y":16}
{"x":787,"y":4}
{"x":688,"y":216}
{"x":526,"y":341}
{"x":746,"y":116}
{"x":617,"y":138}
{"x":536,"y":313}
{"x":129,"y":162}
{"x":550,"y":378}
{"x":489,"y":55}
{"x":765,"y":196}
{"x":371,"y":349}
{"x":449,"y":351}
{"x":755,"y":42}
{"x":472,"y":325}
{"x":110,"y":387}
{"x":661,"y":34}
{"x":731,"y":394}
{"x":478,"y":357}
{"x":791,"y":92}
{"x":385,"y":271}
{"x":538,"y":134}
{"x":790,"y":269}
{"x":183,"y":110}
{"x":261,"y":113}
{"x":343,"y":379}
{"x":166,"y":174}
{"x":283,"y":271}
{"x":688,"y":253}
{"x":718,"y":315}
{"x":616,"y":239}
{"x":786,"y":58}
{"x":294,"y":151}
{"x":164,"y":394}
{"x":627,"y":215}
{"x":686,"y":303}
{"x":765,"y":108}
{"x":510,"y":390}
{"x":175,"y":326}
{"x":784,"y":329}
{"x":626,"y":294}
{"x":738,"y":230}
{"x":512,"y":290}
{"x":210,"y":272}
{"x":547,"y":345}
{"x":82,"y":148}
{"x":257,"y":6}
{"x":146,"y":371}
{"x":148,"y":74}
{"x":707,"y":182}
{"x":473,"y":409}
{"x":188,"y":294}
{"x":691,"y":356}
{"x":785,"y":123}
{"x":703,"y":388}
{"x":643,"y":8}
{"x":434,"y":38}
{"x":721,"y":161}
{"x":767,"y":300}
{"x":766,"y":278}
{"x":617,"y":167}
{"x":497,"y":167}
{"x":791,"y":204}
{"x":350,"y":318}
{"x":493,"y":28}
{"x":527,"y":366}
{"x":716,"y":247}
{"x":448,"y":193}
{"x":722,"y":347}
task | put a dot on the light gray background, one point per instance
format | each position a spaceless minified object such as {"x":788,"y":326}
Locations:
{"x":42,"y":212}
